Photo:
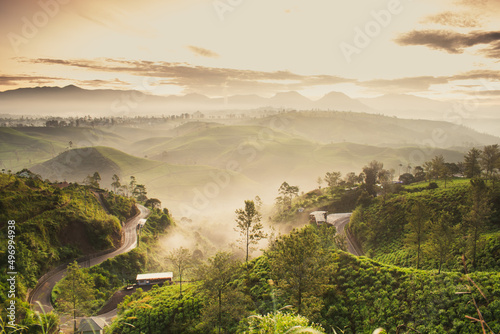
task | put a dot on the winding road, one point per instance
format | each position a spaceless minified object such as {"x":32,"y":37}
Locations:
{"x":340,"y":221}
{"x":40,"y":297}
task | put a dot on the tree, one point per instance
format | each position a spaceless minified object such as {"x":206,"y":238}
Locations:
{"x":430,"y":173}
{"x":216,"y":276}
{"x":96,"y":179}
{"x":153,"y":203}
{"x":287,"y":193}
{"x":123,"y":190}
{"x":181,"y":258}
{"x":419,"y":173}
{"x":116,"y":182}
{"x":489,"y":159}
{"x":441,"y":237}
{"x":372,"y":172}
{"x":249,"y":226}
{"x":407,"y":178}
{"x":418,"y":222}
{"x":76,"y":291}
{"x":439,"y":169}
{"x":132,"y":184}
{"x":319,"y":181}
{"x":298,"y":265}
{"x":385,"y":178}
{"x":471,"y":163}
{"x":479,"y":213}
{"x":92,"y":180}
{"x":140,"y":192}
{"x":351,"y":179}
{"x":332,"y":179}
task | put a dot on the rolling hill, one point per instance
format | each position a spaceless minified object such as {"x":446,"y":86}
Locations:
{"x":369,"y":129}
{"x":172,"y":184}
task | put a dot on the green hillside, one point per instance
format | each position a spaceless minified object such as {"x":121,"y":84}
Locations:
{"x":266,"y":155}
{"x":55,"y":225}
{"x":19,"y":150}
{"x":369,"y":129}
{"x":79,"y":136}
{"x":171,"y":183}
{"x":353,"y":295}
{"x":384,"y":231}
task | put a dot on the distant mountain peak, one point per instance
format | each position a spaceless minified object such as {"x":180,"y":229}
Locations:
{"x":72,"y":87}
{"x":335,"y":94}
{"x":289,"y":94}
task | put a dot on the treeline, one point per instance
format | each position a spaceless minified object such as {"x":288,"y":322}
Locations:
{"x":435,"y":228}
{"x":304,"y":283}
{"x":343,"y":193}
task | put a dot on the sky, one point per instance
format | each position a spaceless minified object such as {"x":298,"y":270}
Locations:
{"x":440,"y":49}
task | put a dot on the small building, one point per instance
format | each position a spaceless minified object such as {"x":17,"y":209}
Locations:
{"x":318,"y":217}
{"x":155,"y":278}
{"x":92,"y":326}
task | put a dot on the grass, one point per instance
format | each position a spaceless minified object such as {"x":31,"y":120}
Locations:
{"x":453,"y":182}
{"x":18,"y":149}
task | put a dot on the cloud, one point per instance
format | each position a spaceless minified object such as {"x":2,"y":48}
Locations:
{"x":454,"y":19}
{"x":205,"y":80}
{"x":35,"y":81}
{"x":490,"y":75}
{"x":10,"y":80}
{"x":482,"y":92}
{"x":423,"y":83}
{"x":453,"y":42}
{"x":203,"y":52}
{"x":219,"y":81}
{"x":404,"y":85}
{"x":489,"y":5}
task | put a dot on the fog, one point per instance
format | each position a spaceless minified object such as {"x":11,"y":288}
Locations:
{"x":203,"y":167}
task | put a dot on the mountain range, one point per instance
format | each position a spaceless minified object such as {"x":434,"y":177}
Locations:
{"x":72,"y":100}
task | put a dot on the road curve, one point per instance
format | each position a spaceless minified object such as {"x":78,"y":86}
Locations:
{"x":41,"y":295}
{"x":340,"y":221}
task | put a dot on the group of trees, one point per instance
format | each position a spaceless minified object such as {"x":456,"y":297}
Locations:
{"x":476,"y":163}
{"x":487,"y":161}
{"x":138,"y":191}
{"x":430,"y":228}
{"x":93,"y":180}
{"x":287,"y":194}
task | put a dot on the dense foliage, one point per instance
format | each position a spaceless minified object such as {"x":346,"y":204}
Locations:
{"x":114,"y":273}
{"x":384,"y":230}
{"x":359,"y":296}
{"x":53,"y":225}
{"x":46,"y":221}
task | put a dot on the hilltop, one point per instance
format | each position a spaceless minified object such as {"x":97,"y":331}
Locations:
{"x":56,"y":225}
{"x":173,"y":183}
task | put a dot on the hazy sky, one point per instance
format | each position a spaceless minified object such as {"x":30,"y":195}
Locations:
{"x":434,"y":48}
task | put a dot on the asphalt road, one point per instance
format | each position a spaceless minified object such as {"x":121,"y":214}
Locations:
{"x":340,"y":221}
{"x":42,"y":294}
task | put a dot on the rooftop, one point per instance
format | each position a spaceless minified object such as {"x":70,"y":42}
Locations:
{"x":166,"y":275}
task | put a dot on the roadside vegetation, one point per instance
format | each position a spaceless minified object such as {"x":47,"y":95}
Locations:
{"x":54,"y":224}
{"x":306,"y":281}
{"x":120,"y":271}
